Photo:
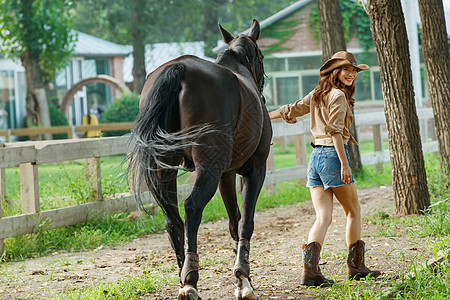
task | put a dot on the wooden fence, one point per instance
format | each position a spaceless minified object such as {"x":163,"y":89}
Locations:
{"x":29,"y":155}
{"x":69,"y":130}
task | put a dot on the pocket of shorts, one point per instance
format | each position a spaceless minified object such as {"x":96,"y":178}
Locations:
{"x":332,"y":164}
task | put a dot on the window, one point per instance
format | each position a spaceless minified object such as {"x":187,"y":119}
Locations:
{"x":377,"y":85}
{"x":98,"y":94}
{"x":309,"y":82}
{"x":362,"y":86}
{"x":287,"y":90}
{"x":274,"y":64}
{"x":304,"y":63}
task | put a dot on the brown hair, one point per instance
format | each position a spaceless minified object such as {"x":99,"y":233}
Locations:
{"x":329,"y":81}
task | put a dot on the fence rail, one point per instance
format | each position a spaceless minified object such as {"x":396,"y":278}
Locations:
{"x":29,"y":155}
{"x":69,"y":130}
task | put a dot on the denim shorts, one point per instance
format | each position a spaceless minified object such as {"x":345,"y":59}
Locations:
{"x":324,"y":168}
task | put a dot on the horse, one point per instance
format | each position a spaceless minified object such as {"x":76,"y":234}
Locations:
{"x":211,"y":118}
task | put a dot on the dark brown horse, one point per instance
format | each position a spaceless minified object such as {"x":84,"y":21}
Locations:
{"x":211,"y":118}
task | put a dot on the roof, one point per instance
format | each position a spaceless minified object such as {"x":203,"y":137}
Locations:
{"x":272,"y":19}
{"x":89,"y":45}
{"x":299,"y":4}
{"x":160,"y":53}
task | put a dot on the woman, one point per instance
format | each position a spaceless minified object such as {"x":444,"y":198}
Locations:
{"x":329,"y":166}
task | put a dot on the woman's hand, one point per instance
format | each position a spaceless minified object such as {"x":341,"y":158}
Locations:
{"x":346,"y":171}
{"x":346,"y":174}
{"x":276,"y":115}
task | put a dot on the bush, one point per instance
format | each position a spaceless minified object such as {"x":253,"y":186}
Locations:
{"x":123,"y":109}
{"x":58,"y":118}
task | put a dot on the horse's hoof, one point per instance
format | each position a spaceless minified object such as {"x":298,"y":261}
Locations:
{"x":246,"y":290}
{"x":188,"y":293}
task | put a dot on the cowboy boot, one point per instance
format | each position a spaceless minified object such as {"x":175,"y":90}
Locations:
{"x":311,"y":274}
{"x":356,"y":268}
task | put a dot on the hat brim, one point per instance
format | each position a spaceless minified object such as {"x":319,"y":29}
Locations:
{"x":335,"y":63}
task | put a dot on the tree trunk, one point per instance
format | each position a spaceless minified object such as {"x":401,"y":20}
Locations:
{"x":408,"y":169}
{"x":332,"y":37}
{"x":138,"y":42}
{"x":332,"y":40}
{"x":36,"y":100}
{"x":437,"y":61}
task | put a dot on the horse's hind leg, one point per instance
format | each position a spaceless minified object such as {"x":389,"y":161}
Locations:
{"x":173,"y":222}
{"x":253,"y":181}
{"x":166,"y":197}
{"x":204,"y":189}
{"x":227,"y":186}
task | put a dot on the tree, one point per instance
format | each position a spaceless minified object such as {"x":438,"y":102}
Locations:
{"x":437,"y":61}
{"x":332,"y":37}
{"x":135,"y":22}
{"x":332,"y":40}
{"x":408,"y":169}
{"x":172,"y":21}
{"x":39,"y":33}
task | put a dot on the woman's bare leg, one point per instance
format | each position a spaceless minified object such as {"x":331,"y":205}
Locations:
{"x":348,"y":198}
{"x":323,"y":204}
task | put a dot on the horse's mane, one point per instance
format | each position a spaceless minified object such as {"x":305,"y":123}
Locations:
{"x":248,"y":54}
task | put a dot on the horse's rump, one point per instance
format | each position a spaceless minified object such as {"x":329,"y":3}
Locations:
{"x":210,"y":94}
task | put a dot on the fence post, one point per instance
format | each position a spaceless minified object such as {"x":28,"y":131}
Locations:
{"x":2,"y":183}
{"x":378,"y":144}
{"x":29,"y":183}
{"x":432,"y":130}
{"x":271,"y":167}
{"x":2,"y":198}
{"x":300,"y":152}
{"x":2,"y":242}
{"x":93,"y":176}
{"x":70,"y":132}
{"x":283,"y":146}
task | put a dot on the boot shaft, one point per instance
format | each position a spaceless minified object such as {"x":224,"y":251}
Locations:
{"x":311,"y":255}
{"x":311,"y":274}
{"x":356,"y":254}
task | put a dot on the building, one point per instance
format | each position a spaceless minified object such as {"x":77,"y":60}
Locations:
{"x":92,"y":56}
{"x":160,"y":53}
{"x":293,"y":70}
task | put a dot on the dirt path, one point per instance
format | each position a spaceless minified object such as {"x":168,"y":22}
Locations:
{"x":275,"y":257}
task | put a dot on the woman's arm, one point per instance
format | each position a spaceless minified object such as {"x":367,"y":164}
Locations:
{"x":346,"y":172}
{"x":275,"y":114}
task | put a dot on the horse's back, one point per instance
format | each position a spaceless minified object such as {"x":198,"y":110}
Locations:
{"x":214,"y":95}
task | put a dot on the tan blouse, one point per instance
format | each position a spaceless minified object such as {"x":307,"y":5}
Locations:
{"x":333,"y":117}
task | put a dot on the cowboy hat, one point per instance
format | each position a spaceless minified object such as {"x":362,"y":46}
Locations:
{"x":339,"y":59}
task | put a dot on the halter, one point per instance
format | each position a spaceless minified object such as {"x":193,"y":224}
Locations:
{"x":260,"y":83}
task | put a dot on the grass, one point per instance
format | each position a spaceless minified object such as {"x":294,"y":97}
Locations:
{"x":116,"y":229}
{"x":131,"y":288}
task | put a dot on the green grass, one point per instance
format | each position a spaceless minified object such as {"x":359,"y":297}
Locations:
{"x":63,"y":184}
{"x":117,"y":229}
{"x":134,"y":287}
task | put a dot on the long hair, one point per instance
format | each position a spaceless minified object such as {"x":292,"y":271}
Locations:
{"x":329,"y":81}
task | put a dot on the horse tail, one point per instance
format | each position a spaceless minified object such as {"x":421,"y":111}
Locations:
{"x":152,"y":141}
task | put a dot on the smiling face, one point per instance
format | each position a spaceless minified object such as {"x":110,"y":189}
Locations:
{"x":347,"y":75}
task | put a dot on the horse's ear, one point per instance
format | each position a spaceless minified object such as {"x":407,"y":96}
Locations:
{"x":255,"y":30}
{"x":227,"y":37}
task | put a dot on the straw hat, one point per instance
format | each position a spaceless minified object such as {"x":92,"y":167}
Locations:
{"x":339,"y":59}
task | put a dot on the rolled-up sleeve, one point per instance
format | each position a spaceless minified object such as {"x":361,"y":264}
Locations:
{"x":336,"y":121}
{"x":301,"y":107}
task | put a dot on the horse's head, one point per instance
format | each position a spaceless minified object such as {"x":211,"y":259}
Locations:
{"x":245,"y":47}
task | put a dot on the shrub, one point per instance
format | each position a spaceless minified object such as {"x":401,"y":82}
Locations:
{"x":123,"y":109}
{"x":58,"y":118}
